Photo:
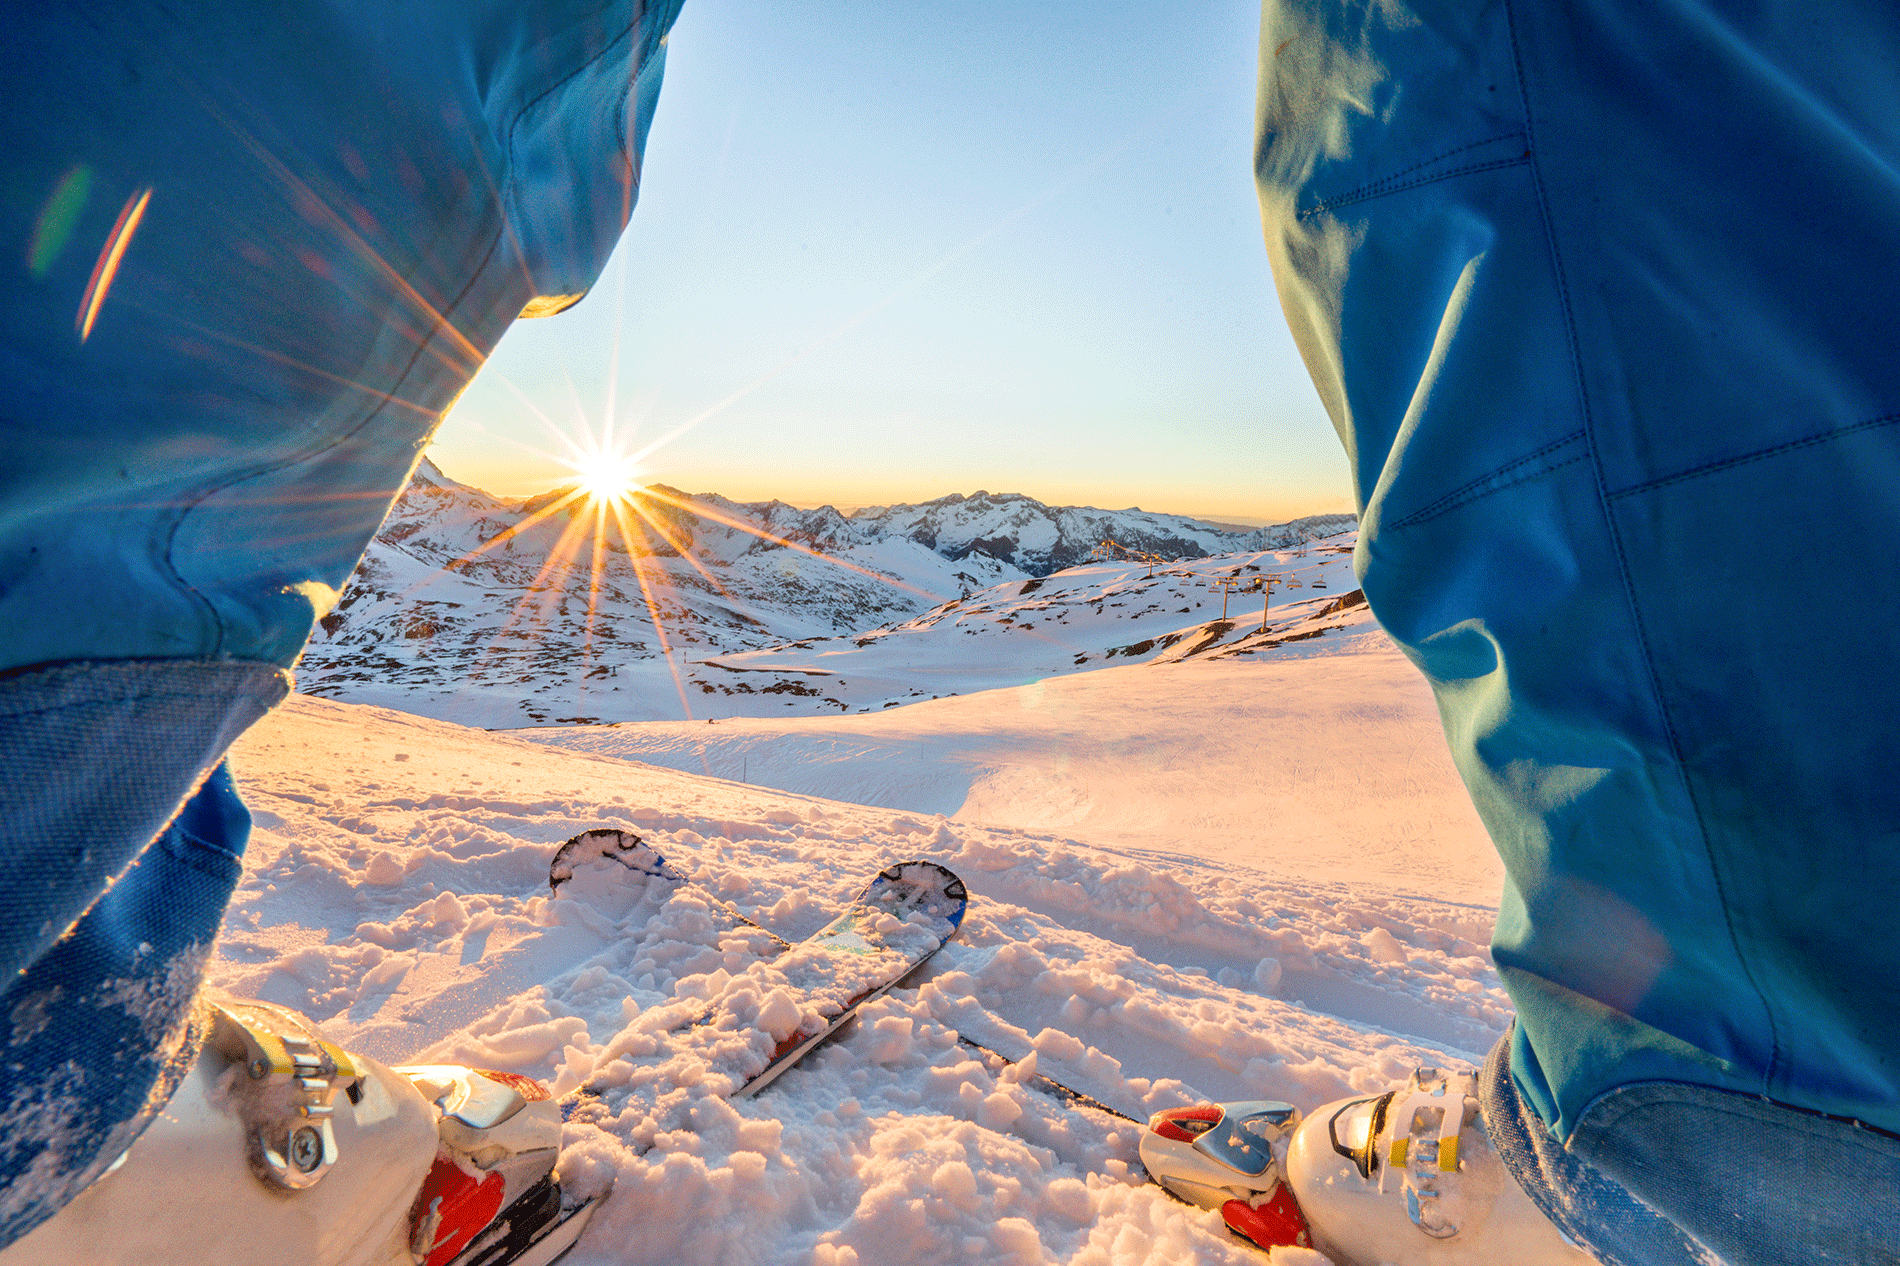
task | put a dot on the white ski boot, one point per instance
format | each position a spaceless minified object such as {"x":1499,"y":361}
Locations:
{"x":1406,"y":1178}
{"x":280,"y":1147}
{"x":1221,"y":1156}
{"x":493,"y":1197}
{"x":1409,"y":1178}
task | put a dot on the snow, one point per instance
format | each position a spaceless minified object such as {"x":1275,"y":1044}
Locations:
{"x":1246,"y":873}
{"x":1323,"y":766}
{"x":470,"y":609}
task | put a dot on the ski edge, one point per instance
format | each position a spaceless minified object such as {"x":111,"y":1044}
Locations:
{"x":1049,"y":1085}
{"x":783,"y":1064}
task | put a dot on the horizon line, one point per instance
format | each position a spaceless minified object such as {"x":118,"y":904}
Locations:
{"x":850,"y":509}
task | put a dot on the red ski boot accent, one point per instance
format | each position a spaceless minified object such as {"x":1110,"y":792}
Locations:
{"x":527,"y":1087}
{"x":1270,"y":1219}
{"x":1184,"y":1125}
{"x":450,"y":1211}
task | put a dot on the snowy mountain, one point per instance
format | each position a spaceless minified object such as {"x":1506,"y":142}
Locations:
{"x":472,"y":609}
{"x":1039,"y":539}
{"x":1094,"y":616}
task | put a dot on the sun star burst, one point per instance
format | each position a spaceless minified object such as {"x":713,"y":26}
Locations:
{"x":606,"y":476}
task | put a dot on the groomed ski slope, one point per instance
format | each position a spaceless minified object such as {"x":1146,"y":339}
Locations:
{"x":1183,"y":933}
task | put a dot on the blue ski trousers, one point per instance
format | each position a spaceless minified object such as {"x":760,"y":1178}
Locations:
{"x":256,"y":250}
{"x":1599,"y":295}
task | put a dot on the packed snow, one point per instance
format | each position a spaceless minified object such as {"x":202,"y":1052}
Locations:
{"x":1245,"y":872}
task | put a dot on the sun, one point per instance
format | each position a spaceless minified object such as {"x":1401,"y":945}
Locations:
{"x":606,"y":476}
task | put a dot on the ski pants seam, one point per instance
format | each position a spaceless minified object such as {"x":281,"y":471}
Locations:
{"x":1604,"y":503}
{"x":1762,"y":455}
{"x":1508,"y":475}
{"x":1382,"y":189}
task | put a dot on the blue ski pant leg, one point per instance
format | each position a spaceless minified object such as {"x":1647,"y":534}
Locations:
{"x":1598,"y":295}
{"x":257,"y":252}
{"x":102,"y":1024}
{"x":1742,"y":1179}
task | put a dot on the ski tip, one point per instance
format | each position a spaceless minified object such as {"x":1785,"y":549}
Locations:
{"x":607,"y":843}
{"x":938,"y":885}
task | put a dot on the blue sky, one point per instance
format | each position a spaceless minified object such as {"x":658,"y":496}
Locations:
{"x":888,"y":250}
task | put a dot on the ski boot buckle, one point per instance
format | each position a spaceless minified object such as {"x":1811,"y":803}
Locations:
{"x":294,"y":1076}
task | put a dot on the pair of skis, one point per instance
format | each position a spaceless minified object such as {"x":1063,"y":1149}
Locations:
{"x":616,"y":867}
{"x":795,"y":995}
{"x":763,"y":1020}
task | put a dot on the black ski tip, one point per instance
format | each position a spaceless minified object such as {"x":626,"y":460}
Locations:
{"x":604,"y":843}
{"x":923,"y":874}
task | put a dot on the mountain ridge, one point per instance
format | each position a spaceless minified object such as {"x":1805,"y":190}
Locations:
{"x":479,"y":609}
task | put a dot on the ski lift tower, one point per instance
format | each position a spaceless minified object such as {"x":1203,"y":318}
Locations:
{"x":1228,"y":585}
{"x":1263,"y":585}
{"x":1115,"y":552}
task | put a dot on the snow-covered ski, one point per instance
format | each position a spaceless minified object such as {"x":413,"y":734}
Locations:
{"x":762,"y":1019}
{"x":458,"y":1221}
{"x":903,"y":916}
{"x":1046,"y":1084}
{"x":618,"y":872}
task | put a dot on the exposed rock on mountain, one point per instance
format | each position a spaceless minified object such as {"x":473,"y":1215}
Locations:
{"x":1040,"y":539}
{"x":471,"y":608}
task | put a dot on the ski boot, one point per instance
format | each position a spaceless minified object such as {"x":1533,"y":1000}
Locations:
{"x":1409,"y":1178}
{"x":492,"y":1198}
{"x":280,"y":1147}
{"x":1221,"y":1156}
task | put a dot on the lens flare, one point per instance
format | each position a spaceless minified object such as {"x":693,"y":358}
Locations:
{"x":107,"y":266}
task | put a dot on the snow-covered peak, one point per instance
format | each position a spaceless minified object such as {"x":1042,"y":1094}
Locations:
{"x":472,"y":608}
{"x":1041,"y":539}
